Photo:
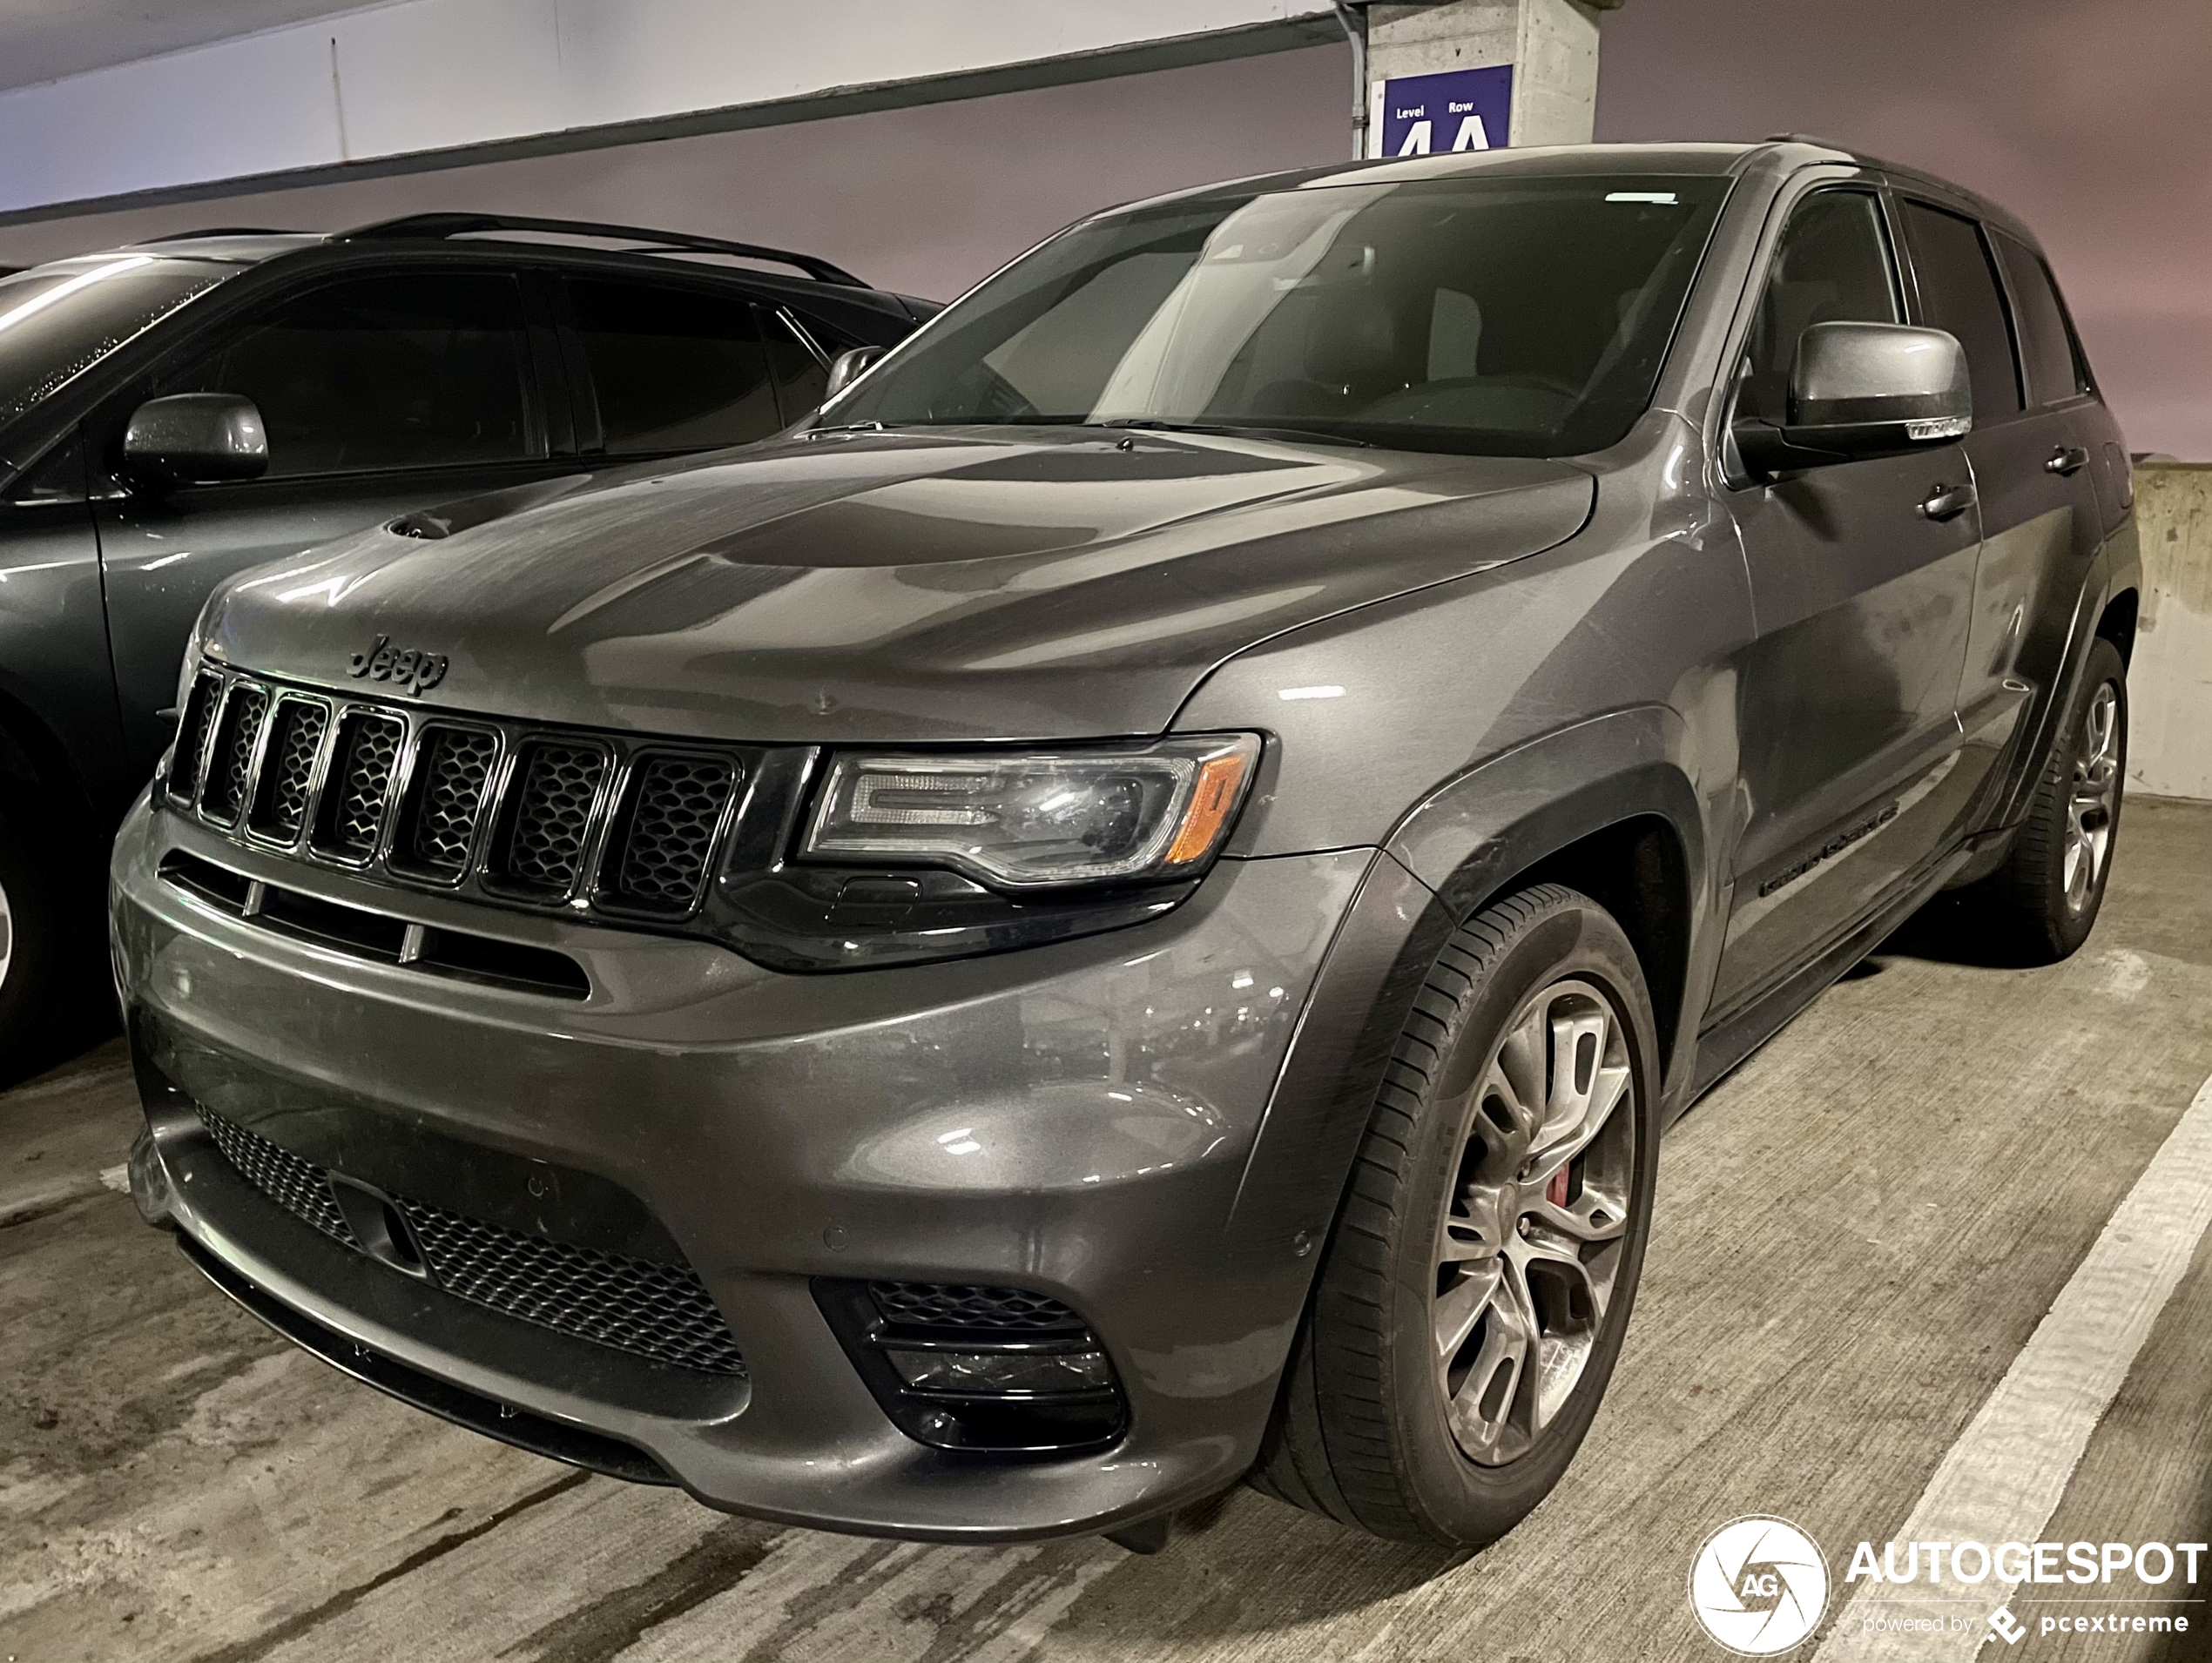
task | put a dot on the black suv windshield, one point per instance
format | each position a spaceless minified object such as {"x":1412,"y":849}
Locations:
{"x":56,"y":319}
{"x":1508,"y":316}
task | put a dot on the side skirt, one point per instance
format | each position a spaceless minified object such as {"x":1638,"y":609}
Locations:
{"x":1728,"y":1041}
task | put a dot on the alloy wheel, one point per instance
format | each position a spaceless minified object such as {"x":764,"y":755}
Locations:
{"x":2095,"y":794}
{"x":1530,"y":1247}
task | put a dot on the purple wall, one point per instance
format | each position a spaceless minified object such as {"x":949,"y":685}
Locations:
{"x":2091,"y":118}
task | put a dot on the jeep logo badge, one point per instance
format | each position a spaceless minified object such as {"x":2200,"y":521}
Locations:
{"x":409,"y":670}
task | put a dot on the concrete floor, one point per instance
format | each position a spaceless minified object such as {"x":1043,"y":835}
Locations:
{"x":1857,"y":1232}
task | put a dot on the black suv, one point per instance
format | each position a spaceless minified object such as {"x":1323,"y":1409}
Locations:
{"x":175,"y":412}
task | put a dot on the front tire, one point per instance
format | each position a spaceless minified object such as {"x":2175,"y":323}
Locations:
{"x":1473,"y":1297}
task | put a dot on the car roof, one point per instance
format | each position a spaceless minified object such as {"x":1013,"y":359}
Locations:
{"x":1785,"y":151}
{"x":253,"y":245}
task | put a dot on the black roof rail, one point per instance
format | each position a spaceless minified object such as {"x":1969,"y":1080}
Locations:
{"x":441,"y":226}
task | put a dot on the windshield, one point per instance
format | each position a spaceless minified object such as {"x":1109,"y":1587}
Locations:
{"x":56,"y":319}
{"x":1509,"y":316}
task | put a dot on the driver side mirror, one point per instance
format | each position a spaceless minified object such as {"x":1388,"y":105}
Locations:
{"x":847,"y":367}
{"x":195,"y":439}
{"x":1861,"y":390}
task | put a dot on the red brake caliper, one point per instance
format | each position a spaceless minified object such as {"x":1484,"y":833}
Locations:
{"x":1555,"y":1191}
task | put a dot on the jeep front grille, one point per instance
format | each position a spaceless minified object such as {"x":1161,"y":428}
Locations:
{"x":361,"y":784}
{"x":642,"y":1306}
{"x":230,"y":764}
{"x":496,"y":810}
{"x":287,"y":776}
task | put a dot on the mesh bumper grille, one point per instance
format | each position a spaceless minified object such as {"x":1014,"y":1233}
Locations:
{"x":657,"y":1310}
{"x":453,"y":768}
{"x":662,"y":1311}
{"x":941,"y":1304}
{"x":301,"y":1188}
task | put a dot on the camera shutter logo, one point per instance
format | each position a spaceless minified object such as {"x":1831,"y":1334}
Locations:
{"x":1759,"y":1585}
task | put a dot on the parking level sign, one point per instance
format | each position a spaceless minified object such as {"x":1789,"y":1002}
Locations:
{"x":1423,"y":115}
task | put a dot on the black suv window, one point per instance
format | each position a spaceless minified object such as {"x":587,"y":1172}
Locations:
{"x":1833,"y":266}
{"x":673,"y":367}
{"x":1959,"y":293}
{"x":2055,"y":372}
{"x":408,"y":370}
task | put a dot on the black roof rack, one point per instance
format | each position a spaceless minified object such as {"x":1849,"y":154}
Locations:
{"x":441,"y":226}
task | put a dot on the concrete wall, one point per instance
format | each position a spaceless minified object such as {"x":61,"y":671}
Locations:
{"x":2170,"y":682}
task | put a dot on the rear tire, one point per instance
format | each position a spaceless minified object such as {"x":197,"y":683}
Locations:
{"x":34,"y":958}
{"x":1472,"y":1299}
{"x":2041,"y":904}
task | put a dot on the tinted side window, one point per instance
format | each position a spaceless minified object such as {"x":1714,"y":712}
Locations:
{"x":2054,"y":373}
{"x":1959,"y":293}
{"x":673,"y":367}
{"x":383,"y":372}
{"x":1832,"y":266}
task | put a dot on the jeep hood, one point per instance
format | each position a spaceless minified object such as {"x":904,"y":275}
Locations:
{"x":890,"y":587}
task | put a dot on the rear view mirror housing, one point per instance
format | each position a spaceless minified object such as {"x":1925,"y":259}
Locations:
{"x":848,"y":366}
{"x":195,"y":439}
{"x":1862,"y":390}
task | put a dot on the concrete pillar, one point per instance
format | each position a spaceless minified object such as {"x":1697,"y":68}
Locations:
{"x":1546,"y":50}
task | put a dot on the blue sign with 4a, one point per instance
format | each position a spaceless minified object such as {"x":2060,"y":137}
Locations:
{"x":1421,"y":115}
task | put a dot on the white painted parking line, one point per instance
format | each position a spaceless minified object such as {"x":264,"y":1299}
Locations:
{"x":2003,"y":1477}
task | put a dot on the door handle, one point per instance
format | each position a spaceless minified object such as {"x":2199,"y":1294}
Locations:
{"x":1947,"y":503}
{"x":2067,"y":459}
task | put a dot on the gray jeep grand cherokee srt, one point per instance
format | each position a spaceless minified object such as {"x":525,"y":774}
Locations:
{"x":1127,"y":909}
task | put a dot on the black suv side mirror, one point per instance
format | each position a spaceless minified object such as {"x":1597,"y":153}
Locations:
{"x":1860,"y":390}
{"x":195,"y":439}
{"x":847,"y":367}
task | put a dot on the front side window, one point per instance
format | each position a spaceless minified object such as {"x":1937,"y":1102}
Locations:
{"x":2055,"y":372}
{"x":1500,"y":316}
{"x":382,"y":372}
{"x":1959,"y":293}
{"x":673,"y":368}
{"x":1832,"y":266}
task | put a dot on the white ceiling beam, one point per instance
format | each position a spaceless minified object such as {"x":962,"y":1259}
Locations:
{"x":408,"y":84}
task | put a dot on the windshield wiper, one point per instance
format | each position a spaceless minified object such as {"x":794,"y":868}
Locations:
{"x":843,"y":427}
{"x":1236,"y":430}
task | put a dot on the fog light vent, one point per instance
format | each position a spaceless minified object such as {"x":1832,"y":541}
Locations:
{"x":1001,"y":1373}
{"x":960,"y":1366}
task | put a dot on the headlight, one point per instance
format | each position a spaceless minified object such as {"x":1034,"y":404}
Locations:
{"x":1035,"y":819}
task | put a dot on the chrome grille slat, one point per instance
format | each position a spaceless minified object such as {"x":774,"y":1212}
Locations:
{"x":352,"y":820}
{"x":194,"y":729}
{"x":287,"y":776}
{"x":668,"y":834}
{"x":556,"y":791}
{"x":230,"y":759}
{"x":452,"y":769}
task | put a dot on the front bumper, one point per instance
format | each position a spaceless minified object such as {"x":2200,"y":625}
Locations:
{"x":1079,"y":1119}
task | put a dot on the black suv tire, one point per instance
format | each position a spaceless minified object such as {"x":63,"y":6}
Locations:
{"x":1373,"y":1428}
{"x":34,"y":961}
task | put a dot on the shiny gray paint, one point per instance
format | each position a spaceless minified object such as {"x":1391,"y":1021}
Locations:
{"x":1486,"y":662}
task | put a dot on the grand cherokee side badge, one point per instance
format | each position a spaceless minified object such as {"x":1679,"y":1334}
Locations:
{"x":409,"y":670}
